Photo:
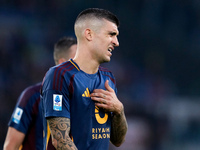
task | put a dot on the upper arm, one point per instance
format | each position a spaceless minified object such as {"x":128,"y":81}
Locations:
{"x":55,"y":98}
{"x":60,"y":128}
{"x":59,"y":125}
{"x":14,"y":139}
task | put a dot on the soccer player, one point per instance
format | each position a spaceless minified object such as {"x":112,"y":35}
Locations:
{"x":25,"y":129}
{"x":79,"y":97}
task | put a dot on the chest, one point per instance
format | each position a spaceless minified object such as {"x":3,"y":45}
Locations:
{"x":84,"y":85}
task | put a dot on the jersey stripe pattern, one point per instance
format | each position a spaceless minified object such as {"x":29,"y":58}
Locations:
{"x":66,"y":93}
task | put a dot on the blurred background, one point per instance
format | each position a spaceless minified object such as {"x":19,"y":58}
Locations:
{"x":156,"y":65}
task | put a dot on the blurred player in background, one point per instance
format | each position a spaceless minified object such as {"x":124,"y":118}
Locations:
{"x":79,"y":97}
{"x":25,"y":129}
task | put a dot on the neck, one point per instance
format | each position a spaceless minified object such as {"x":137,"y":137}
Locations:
{"x":86,"y":63}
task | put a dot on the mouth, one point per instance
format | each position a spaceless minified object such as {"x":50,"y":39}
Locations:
{"x":110,"y":50}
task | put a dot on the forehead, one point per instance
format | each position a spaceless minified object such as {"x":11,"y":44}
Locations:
{"x":110,"y":27}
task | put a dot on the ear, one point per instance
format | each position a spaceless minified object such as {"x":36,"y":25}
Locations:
{"x":61,"y":60}
{"x":88,"y":34}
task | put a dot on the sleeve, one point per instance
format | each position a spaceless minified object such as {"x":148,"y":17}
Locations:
{"x":54,"y":99}
{"x":23,"y":113}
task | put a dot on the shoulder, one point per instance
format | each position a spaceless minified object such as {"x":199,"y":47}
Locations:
{"x":106,"y":72}
{"x":58,"y":75}
{"x":31,"y":90}
{"x":28,"y":93}
{"x":60,"y":70}
{"x":103,"y":69}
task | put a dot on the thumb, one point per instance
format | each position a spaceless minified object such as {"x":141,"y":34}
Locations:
{"x":107,"y":86}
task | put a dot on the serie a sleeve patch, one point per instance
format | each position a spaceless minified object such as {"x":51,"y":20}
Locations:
{"x":17,"y":115}
{"x":57,"y":102}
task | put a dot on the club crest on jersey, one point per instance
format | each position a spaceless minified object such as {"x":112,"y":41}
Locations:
{"x":17,"y":115}
{"x":57,"y":102}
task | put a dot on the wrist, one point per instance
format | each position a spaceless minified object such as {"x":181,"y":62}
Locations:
{"x":119,"y":111}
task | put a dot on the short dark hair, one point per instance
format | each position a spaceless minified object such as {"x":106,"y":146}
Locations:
{"x":98,"y":13}
{"x":62,"y":46}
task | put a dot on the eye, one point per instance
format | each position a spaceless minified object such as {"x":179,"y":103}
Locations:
{"x":113,"y":33}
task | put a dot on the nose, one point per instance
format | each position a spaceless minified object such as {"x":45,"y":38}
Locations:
{"x":115,"y":41}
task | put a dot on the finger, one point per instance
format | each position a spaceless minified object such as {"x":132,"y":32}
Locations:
{"x":99,"y":100}
{"x":98,"y":94}
{"x":107,"y":86}
{"x":101,"y":105}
